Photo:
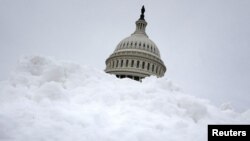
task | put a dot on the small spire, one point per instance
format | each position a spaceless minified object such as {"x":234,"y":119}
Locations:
{"x":142,"y":13}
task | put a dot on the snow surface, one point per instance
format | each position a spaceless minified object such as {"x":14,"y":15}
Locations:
{"x":47,"y":99}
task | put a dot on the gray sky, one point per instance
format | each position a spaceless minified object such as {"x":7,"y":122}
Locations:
{"x":204,"y":43}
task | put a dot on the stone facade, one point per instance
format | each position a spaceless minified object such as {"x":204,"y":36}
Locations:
{"x":137,"y":56}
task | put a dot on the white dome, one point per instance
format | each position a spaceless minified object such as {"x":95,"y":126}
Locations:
{"x":139,"y":43}
{"x":136,"y":56}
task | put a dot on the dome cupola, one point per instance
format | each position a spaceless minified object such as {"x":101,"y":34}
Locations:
{"x":136,"y":56}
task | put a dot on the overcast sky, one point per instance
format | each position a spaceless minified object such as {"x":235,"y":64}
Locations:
{"x":204,"y":43}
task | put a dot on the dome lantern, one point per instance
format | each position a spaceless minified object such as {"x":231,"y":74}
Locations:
{"x":141,"y":24}
{"x":136,"y":56}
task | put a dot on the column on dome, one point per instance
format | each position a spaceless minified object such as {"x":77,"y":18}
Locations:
{"x":129,"y":62}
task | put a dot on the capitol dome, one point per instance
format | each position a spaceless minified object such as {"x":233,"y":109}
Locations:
{"x":136,"y":56}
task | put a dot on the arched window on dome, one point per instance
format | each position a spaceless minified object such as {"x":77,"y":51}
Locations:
{"x":148,"y":46}
{"x":138,"y":63}
{"x":140,"y":44}
{"x":127,"y":44}
{"x":131,"y":44}
{"x":153,"y":68}
{"x":151,"y":48}
{"x":126,"y":63}
{"x":144,"y":45}
{"x":121,"y":63}
{"x":148,"y":66}
{"x":143,"y":65}
{"x":132,"y":63}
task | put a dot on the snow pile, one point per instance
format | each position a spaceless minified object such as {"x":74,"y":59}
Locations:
{"x":51,"y":100}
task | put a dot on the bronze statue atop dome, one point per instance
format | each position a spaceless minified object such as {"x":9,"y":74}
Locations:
{"x":142,"y":13}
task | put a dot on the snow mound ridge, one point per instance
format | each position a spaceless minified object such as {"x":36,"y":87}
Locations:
{"x":51,"y":100}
